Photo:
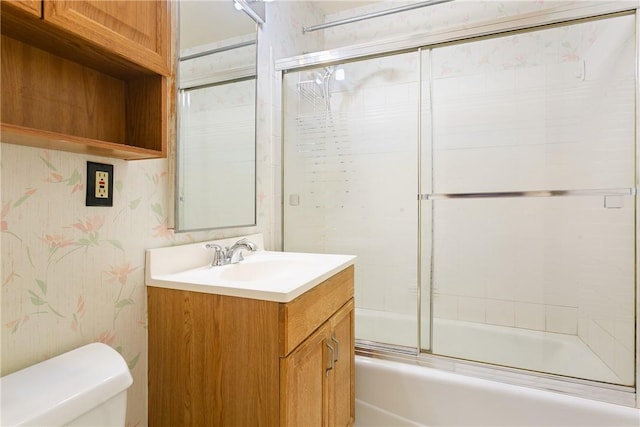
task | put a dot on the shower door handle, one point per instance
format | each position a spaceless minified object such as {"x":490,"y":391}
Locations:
{"x":335,"y":340}
{"x":333,"y":361}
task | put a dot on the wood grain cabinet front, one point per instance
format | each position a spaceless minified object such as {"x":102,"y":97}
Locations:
{"x":30,"y":7}
{"x":316,"y":379}
{"x":91,"y":77}
{"x":225,"y":361}
{"x":341,"y":393}
{"x":136,"y":30}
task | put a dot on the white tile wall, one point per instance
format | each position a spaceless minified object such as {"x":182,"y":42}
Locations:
{"x":445,"y":306}
{"x":500,"y":312}
{"x":530,"y":316}
{"x":563,"y":320}
{"x":547,"y":120}
{"x":472,"y":309}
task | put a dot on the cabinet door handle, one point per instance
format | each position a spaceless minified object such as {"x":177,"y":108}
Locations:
{"x":332,"y":364}
{"x":335,"y":340}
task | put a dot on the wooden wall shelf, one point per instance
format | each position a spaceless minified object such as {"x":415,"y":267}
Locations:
{"x":19,"y":135}
{"x":84,"y":89}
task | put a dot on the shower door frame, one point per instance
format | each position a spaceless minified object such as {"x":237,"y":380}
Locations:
{"x":623,"y":395}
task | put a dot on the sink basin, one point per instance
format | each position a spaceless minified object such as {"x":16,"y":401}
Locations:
{"x":266,"y":275}
{"x":257,"y":267}
{"x":261,"y":269}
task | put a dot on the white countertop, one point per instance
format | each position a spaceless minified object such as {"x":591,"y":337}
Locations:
{"x":264,"y":275}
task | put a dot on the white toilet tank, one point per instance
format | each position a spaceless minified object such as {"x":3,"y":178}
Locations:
{"x":84,"y":387}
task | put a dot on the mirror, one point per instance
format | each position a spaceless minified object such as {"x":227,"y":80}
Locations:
{"x":215,"y":171}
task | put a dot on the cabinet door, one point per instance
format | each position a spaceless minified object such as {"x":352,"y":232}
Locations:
{"x":32,"y":7}
{"x":303,"y":382}
{"x":135,"y":30}
{"x":341,"y":385}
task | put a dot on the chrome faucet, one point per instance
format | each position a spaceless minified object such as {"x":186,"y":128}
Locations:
{"x":232,"y":255}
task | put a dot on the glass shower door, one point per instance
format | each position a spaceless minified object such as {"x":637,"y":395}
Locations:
{"x":351,"y":180}
{"x":533,"y":200}
{"x":488,"y":190}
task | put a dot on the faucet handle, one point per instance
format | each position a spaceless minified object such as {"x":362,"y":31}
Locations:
{"x":218,"y":254}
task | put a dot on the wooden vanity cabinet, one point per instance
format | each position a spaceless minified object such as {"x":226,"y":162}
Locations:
{"x":342,"y":393}
{"x":92,"y":77}
{"x":217,"y":360}
{"x":316,"y":378}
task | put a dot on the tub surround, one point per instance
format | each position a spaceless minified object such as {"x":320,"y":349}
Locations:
{"x":560,"y":354}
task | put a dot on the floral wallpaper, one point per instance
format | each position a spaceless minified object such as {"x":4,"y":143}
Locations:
{"x":73,"y":274}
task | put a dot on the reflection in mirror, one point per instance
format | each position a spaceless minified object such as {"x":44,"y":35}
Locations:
{"x":215,"y":173}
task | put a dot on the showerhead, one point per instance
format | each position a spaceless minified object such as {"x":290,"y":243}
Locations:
{"x":324,"y":75}
{"x":328,"y":71}
{"x":316,"y":86}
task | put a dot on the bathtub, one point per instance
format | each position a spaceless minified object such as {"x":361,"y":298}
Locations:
{"x":390,"y":393}
{"x":560,"y":354}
